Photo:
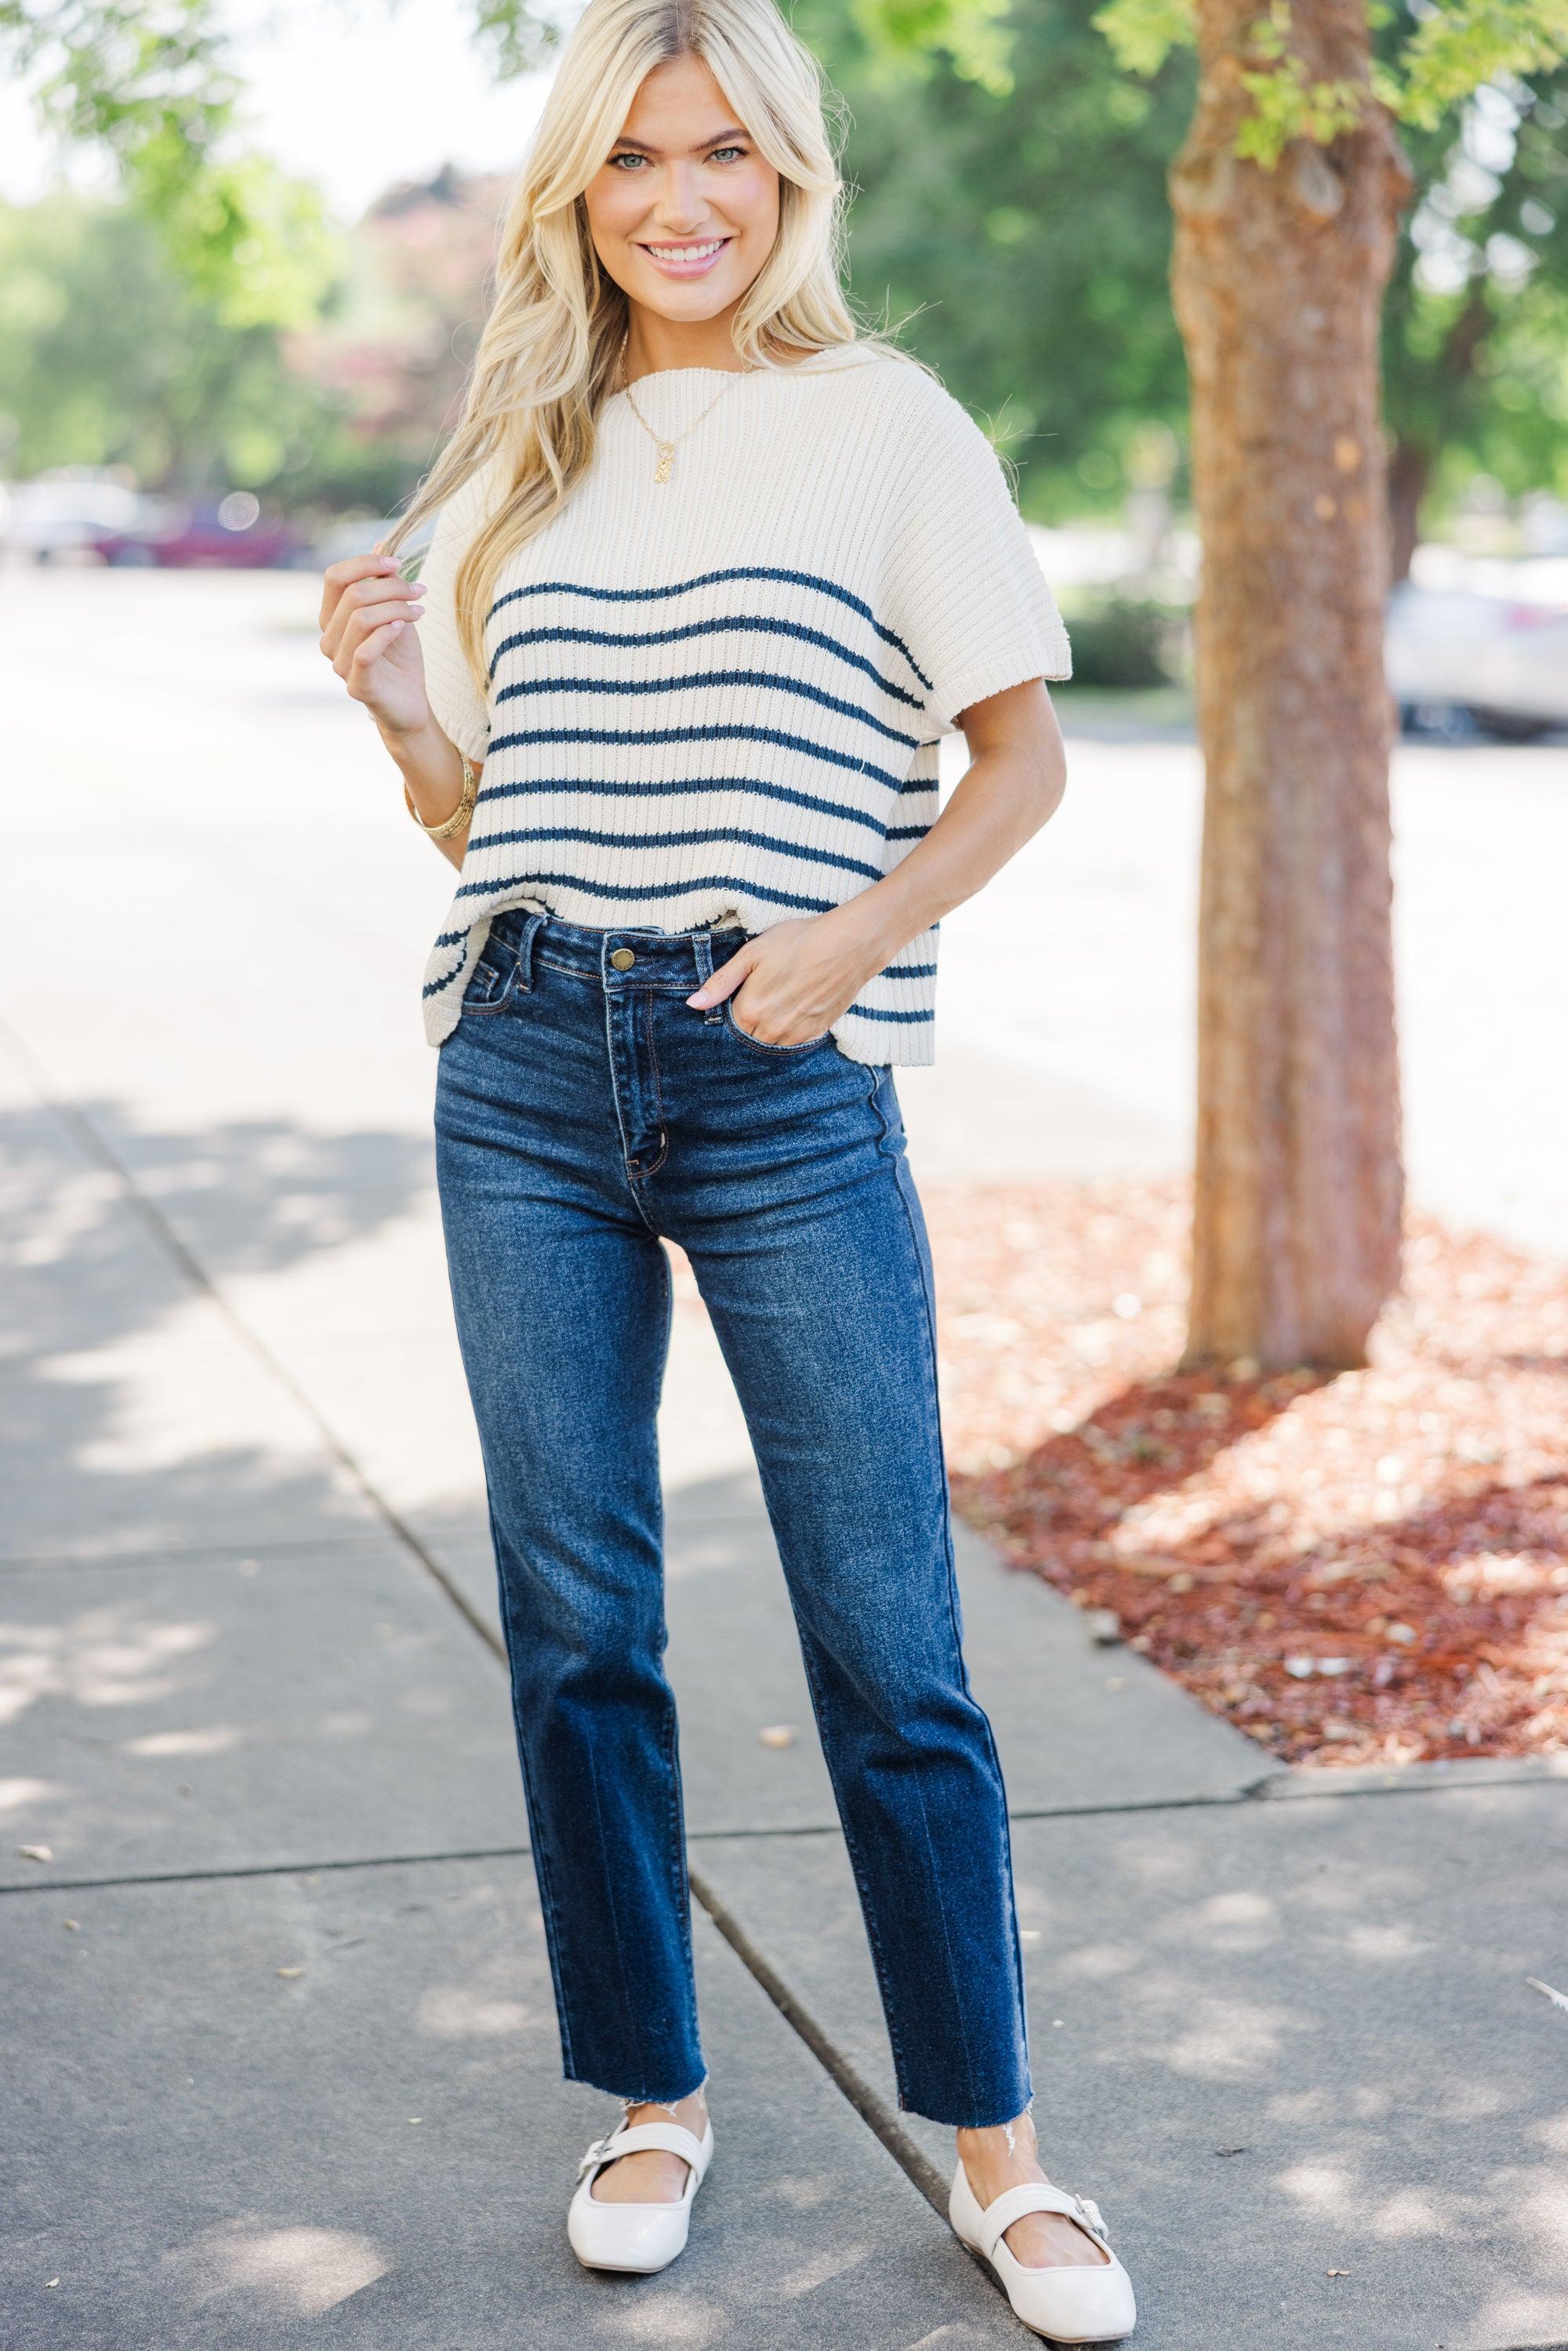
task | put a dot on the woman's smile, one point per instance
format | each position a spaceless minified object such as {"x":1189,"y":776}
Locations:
{"x":688,"y":258}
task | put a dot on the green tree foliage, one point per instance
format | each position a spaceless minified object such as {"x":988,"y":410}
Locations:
{"x":1475,"y":342}
{"x":1476,"y":324}
{"x":976,"y":35}
{"x":148,"y":82}
{"x":1475,"y":327}
{"x":1017,"y":224}
{"x":1430,"y":60}
{"x":109,"y":356}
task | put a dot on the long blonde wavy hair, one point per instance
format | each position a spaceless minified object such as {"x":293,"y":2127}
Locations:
{"x":542,"y":370}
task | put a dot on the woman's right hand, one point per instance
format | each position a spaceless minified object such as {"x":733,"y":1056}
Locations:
{"x":368,"y":611}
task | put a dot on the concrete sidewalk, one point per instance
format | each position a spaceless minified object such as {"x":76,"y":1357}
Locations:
{"x":278,"y":2034}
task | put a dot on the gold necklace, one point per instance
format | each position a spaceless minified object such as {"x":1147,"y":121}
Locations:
{"x":667,"y":449}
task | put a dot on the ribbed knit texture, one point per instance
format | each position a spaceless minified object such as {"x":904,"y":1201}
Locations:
{"x":720,"y":698}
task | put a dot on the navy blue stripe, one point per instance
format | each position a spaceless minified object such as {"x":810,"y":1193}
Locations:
{"x":750,"y":784}
{"x":727,"y":833}
{"x":656,"y":890}
{"x":760,"y":621}
{"x":870,"y":1012}
{"x":719,"y":734}
{"x":700,"y":678}
{"x":708,"y":580}
{"x":435,"y":986}
{"x":908,"y":971}
{"x":907,"y":832}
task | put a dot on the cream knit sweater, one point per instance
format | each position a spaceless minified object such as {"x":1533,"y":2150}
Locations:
{"x":719,"y":698}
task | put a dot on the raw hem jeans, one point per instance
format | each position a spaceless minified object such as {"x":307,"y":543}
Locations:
{"x":584,"y":1111}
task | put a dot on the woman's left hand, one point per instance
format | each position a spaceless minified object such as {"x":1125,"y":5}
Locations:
{"x":793,"y":980}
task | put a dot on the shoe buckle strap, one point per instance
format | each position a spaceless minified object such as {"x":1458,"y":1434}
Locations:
{"x":1036,"y":2196}
{"x":597,"y":2154}
{"x":1093,"y":2222}
{"x":668,"y":2139}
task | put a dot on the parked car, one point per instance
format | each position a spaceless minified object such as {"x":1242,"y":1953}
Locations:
{"x":233,"y":535}
{"x":65,"y":515}
{"x":1493,"y":653}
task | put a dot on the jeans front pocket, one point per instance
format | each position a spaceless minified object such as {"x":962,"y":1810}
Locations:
{"x":760,"y":1044}
{"x":491,"y":981}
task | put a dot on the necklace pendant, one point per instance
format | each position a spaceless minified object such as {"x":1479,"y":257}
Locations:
{"x":666,"y":460}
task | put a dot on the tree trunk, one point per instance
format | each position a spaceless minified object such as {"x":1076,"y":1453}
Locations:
{"x":1277,"y":279}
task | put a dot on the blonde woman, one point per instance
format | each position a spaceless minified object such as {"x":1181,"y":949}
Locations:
{"x":712,"y":574}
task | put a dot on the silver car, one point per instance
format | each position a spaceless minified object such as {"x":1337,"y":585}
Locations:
{"x":1494,"y":653}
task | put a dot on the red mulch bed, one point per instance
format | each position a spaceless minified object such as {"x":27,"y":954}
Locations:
{"x":1371,"y":1568}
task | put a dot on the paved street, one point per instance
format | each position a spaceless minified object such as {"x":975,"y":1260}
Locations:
{"x":279,"y":2034}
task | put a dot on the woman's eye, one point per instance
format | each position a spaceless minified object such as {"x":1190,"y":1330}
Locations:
{"x":717,"y":155}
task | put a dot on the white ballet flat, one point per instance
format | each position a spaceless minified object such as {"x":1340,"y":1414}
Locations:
{"x":1089,"y":2304}
{"x":640,"y":2237}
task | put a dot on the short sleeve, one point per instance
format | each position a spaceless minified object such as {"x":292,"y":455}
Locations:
{"x":459,"y":707}
{"x":969,"y":598}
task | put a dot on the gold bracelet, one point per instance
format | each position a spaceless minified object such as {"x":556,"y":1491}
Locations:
{"x":460,"y":814}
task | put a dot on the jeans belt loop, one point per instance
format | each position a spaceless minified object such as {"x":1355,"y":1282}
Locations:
{"x":703,"y":943}
{"x":530,"y":931}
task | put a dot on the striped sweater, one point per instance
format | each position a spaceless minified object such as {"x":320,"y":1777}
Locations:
{"x":720,"y":698}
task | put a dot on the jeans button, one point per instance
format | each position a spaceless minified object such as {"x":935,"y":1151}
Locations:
{"x":622,"y":959}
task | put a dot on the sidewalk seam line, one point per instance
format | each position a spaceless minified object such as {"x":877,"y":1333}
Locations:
{"x":1252,"y":1795}
{"x":62,"y":1562}
{"x":699,"y":1836}
{"x":878,"y":2117}
{"x":240,"y":1869}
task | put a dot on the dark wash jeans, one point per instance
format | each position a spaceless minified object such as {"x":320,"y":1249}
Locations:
{"x":584,"y":1110}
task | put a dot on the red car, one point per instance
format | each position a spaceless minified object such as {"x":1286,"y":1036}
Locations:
{"x":233,"y":536}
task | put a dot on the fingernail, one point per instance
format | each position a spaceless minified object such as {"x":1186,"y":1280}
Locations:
{"x":699,"y":999}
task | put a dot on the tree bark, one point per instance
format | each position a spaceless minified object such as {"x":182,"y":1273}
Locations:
{"x":1279,"y":279}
